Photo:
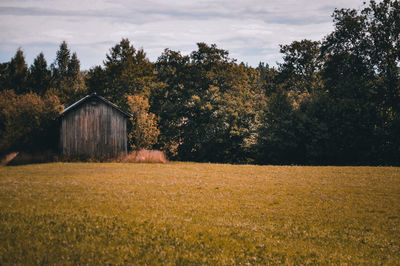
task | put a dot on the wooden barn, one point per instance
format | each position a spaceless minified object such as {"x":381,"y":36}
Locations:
{"x":93,"y":127}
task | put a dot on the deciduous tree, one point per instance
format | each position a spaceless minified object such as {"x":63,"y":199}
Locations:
{"x":143,"y":132}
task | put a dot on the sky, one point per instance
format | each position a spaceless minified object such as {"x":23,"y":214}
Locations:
{"x":251,"y":30}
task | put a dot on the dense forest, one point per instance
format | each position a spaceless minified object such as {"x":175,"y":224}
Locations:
{"x":334,"y":101}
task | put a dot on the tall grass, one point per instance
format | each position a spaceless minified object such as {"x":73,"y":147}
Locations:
{"x":144,"y":156}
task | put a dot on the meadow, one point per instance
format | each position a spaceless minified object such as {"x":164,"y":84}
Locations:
{"x":191,"y":213}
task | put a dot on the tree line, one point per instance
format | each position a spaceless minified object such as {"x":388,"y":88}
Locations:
{"x":333,"y":101}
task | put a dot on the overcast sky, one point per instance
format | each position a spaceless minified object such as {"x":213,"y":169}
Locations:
{"x":251,"y":30}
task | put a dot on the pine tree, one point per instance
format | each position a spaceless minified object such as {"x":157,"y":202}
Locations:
{"x":18,"y":73}
{"x":74,"y":67}
{"x":63,"y":60}
{"x":67,"y":80}
{"x":126,"y":71}
{"x":4,"y":75}
{"x":39,"y":76}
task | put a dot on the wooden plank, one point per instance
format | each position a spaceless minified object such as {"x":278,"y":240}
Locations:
{"x":97,"y":131}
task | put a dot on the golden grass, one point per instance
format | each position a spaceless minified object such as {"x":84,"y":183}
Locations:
{"x":187,"y":213}
{"x":144,"y":156}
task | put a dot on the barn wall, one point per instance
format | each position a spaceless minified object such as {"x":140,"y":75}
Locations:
{"x":93,"y":131}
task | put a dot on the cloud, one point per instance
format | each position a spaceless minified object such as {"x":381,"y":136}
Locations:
{"x":251,"y":30}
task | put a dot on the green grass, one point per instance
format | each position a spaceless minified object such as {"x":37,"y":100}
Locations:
{"x":187,"y":213}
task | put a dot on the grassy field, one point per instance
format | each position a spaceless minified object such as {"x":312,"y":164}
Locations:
{"x":187,"y":213}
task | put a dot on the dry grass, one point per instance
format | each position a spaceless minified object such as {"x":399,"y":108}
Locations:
{"x":21,"y":158}
{"x":8,"y":158}
{"x":198,"y":214}
{"x":144,"y":156}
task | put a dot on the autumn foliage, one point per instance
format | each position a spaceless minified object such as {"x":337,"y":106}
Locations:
{"x":27,"y":121}
{"x":144,"y":132}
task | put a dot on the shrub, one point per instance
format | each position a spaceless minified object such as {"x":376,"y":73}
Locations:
{"x":145,"y":156}
{"x":27,"y":122}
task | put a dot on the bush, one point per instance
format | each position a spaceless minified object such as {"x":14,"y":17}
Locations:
{"x":28,"y":122}
{"x":144,"y":156}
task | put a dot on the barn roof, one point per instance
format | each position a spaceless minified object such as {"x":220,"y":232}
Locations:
{"x":91,"y":97}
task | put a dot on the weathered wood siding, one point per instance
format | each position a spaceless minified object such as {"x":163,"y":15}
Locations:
{"x":93,"y":130}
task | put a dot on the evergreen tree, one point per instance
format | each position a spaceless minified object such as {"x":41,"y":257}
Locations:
{"x":62,"y":62}
{"x":126,"y":71}
{"x":67,"y":80}
{"x":4,"y":75}
{"x":74,"y":67}
{"x":39,"y":75}
{"x":18,"y":74}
